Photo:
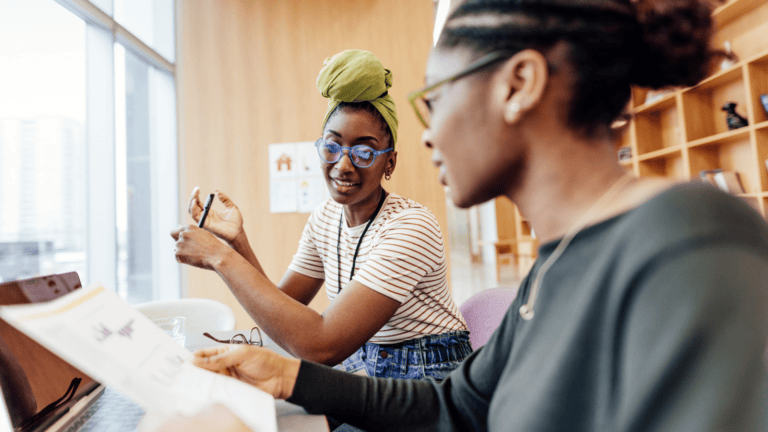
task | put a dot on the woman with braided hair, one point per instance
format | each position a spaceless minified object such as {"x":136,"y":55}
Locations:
{"x":380,"y":255}
{"x":645,"y":310}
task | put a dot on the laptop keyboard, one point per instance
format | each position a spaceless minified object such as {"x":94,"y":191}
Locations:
{"x":112,"y":412}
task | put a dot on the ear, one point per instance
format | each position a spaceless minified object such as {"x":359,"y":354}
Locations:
{"x":523,"y":80}
{"x":391,"y":162}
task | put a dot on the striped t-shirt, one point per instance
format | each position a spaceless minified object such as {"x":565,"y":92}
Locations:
{"x":401,"y":257}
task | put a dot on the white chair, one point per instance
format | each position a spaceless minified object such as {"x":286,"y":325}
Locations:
{"x":202,"y":315}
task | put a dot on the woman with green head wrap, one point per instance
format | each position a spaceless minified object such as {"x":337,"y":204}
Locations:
{"x":380,"y":255}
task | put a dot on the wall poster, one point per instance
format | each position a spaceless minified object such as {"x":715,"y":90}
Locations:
{"x":296,"y":183}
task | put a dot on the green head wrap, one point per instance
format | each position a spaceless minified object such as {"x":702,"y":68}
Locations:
{"x":358,"y":76}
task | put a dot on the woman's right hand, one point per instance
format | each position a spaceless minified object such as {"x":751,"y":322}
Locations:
{"x":226,"y":224}
{"x":264,"y":369}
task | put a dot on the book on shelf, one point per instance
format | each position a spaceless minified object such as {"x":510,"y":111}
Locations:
{"x":708,"y":176}
{"x":728,"y":181}
{"x":625,"y":153}
{"x":654,"y":95}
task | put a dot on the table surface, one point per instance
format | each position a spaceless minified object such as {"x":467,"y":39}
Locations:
{"x":290,"y":417}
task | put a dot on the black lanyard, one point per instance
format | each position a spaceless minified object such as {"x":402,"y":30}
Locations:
{"x":357,"y":249}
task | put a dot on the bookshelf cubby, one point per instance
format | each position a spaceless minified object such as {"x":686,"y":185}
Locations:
{"x":680,"y":132}
{"x":516,"y":247}
{"x":684,"y":131}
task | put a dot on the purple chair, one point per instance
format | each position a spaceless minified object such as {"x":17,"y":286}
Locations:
{"x":484,"y":311}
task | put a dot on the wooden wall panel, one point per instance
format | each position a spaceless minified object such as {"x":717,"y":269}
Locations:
{"x":246,"y":78}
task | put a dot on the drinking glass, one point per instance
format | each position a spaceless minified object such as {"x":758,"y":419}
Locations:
{"x":174,"y":326}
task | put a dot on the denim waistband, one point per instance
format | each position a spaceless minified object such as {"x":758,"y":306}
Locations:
{"x":433,"y":349}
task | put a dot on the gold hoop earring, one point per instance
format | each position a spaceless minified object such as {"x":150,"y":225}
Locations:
{"x":387,"y":175}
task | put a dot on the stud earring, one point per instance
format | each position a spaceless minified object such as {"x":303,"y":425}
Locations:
{"x":514,"y":108}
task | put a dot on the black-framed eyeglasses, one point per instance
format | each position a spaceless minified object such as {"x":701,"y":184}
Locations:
{"x":421,"y":105}
{"x":241,"y":339}
{"x":361,"y":155}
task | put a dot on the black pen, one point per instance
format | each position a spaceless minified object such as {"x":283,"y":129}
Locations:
{"x":207,"y":207}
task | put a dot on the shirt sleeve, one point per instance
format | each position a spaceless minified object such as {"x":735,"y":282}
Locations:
{"x":692,"y":356}
{"x":307,"y":260}
{"x":460,"y":402}
{"x":409,"y":247}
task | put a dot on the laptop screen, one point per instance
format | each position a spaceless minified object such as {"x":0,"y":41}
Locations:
{"x":37,"y":385}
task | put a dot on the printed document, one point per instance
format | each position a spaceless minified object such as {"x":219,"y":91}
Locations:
{"x":99,"y":333}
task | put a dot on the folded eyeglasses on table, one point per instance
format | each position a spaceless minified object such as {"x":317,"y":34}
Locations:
{"x":240,"y":338}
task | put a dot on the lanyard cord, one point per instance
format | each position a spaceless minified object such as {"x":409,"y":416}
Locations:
{"x":359,"y":242}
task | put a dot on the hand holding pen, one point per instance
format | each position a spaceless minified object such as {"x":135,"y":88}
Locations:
{"x":225,"y":224}
{"x":206,"y":209}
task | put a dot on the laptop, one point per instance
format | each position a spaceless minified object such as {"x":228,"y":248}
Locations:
{"x":42,"y":392}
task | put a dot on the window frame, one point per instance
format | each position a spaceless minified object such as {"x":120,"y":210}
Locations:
{"x":102,"y":33}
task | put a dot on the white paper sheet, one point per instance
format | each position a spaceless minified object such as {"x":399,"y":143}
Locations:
{"x":5,"y":417}
{"x":283,"y":195}
{"x":312,"y":193}
{"x":99,"y":333}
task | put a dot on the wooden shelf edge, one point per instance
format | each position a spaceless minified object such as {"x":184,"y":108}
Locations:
{"x":659,"y":153}
{"x":658,"y":104}
{"x":722,"y":76}
{"x":725,"y":14}
{"x":749,"y":195}
{"x":720,"y":138}
{"x":761,"y":125}
{"x":756,"y":58}
{"x":711,"y":81}
{"x":732,"y":73}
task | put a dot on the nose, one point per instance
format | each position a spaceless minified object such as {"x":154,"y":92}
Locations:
{"x":345,"y":162}
{"x":426,"y":137}
{"x":437,"y":158}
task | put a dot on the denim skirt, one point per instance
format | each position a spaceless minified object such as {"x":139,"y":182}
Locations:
{"x":432,"y":356}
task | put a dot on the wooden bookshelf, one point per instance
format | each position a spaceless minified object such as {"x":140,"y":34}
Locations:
{"x":516,"y":247}
{"x":685,"y":131}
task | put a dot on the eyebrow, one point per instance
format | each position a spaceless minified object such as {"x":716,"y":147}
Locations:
{"x":362,"y":138}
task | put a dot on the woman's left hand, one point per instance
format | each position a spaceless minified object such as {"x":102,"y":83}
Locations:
{"x":198,"y":247}
{"x":264,"y":369}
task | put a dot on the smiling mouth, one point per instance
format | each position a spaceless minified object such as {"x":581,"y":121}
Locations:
{"x":344,"y":184}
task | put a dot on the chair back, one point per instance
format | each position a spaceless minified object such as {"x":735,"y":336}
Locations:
{"x":202,"y":315}
{"x":484,"y":311}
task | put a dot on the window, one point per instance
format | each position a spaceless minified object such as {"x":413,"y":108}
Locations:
{"x":88,"y":177}
{"x":151,"y":21}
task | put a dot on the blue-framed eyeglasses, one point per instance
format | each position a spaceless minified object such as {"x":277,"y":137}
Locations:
{"x":361,"y":155}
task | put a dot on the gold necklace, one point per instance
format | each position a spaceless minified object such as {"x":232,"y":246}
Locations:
{"x":526,"y":310}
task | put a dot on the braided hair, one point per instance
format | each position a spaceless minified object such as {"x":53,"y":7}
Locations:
{"x":613,"y":44}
